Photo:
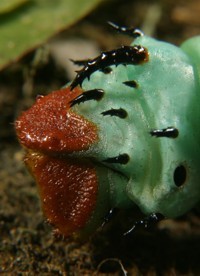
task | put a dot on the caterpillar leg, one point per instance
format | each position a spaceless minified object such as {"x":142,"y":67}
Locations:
{"x":146,"y":222}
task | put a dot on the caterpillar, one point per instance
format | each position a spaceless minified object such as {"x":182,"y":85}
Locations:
{"x":125,"y":131}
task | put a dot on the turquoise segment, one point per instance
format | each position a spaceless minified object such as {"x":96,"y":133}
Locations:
{"x":167,"y":95}
{"x":192,"y":48}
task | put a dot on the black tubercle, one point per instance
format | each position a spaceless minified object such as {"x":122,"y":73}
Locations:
{"x":121,"y":113}
{"x":146,"y":222}
{"x":120,"y":159}
{"x":124,"y":55}
{"x":132,"y":84}
{"x":133,"y":32}
{"x":169,"y":132}
{"x":83,"y":62}
{"x":95,"y":94}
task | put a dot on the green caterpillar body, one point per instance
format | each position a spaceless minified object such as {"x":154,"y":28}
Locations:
{"x":145,"y":109}
{"x":162,"y":174}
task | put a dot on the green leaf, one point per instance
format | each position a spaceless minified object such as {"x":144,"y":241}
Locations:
{"x":29,"y":23}
{"x":9,"y":5}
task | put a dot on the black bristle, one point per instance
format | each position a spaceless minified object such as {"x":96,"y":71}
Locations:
{"x":121,"y":113}
{"x":169,"y":132}
{"x":112,"y":212}
{"x":120,"y":159}
{"x":147,"y":222}
{"x":95,"y":94}
{"x":81,"y":62}
{"x":133,"y":32}
{"x":132,"y":84}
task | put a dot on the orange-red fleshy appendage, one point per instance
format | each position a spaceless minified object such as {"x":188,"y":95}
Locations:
{"x":68,"y":190}
{"x":68,"y":187}
{"x":50,"y":126}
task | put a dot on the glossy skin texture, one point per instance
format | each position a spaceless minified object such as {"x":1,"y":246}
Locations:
{"x":132,"y":139}
{"x":50,"y":126}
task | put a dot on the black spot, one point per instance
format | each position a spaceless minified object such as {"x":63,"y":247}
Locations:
{"x":95,"y":94}
{"x":121,"y":113}
{"x":106,"y":70}
{"x":132,"y":84}
{"x":180,"y":175}
{"x":169,"y":132}
{"x":121,"y":159}
{"x":134,"y":55}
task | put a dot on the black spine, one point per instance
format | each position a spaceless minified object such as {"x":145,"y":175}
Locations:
{"x":120,"y":159}
{"x":125,"y":55}
{"x":152,"y":219}
{"x":132,"y":84}
{"x":133,"y":32}
{"x":121,"y":113}
{"x":169,"y":132}
{"x":95,"y":94}
{"x":80,"y":62}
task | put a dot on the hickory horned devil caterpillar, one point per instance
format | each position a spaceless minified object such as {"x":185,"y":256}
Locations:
{"x":125,"y":131}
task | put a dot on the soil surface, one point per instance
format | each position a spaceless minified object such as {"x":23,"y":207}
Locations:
{"x":27,"y":243}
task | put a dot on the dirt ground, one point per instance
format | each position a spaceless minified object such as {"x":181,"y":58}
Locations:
{"x":27,"y":243}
